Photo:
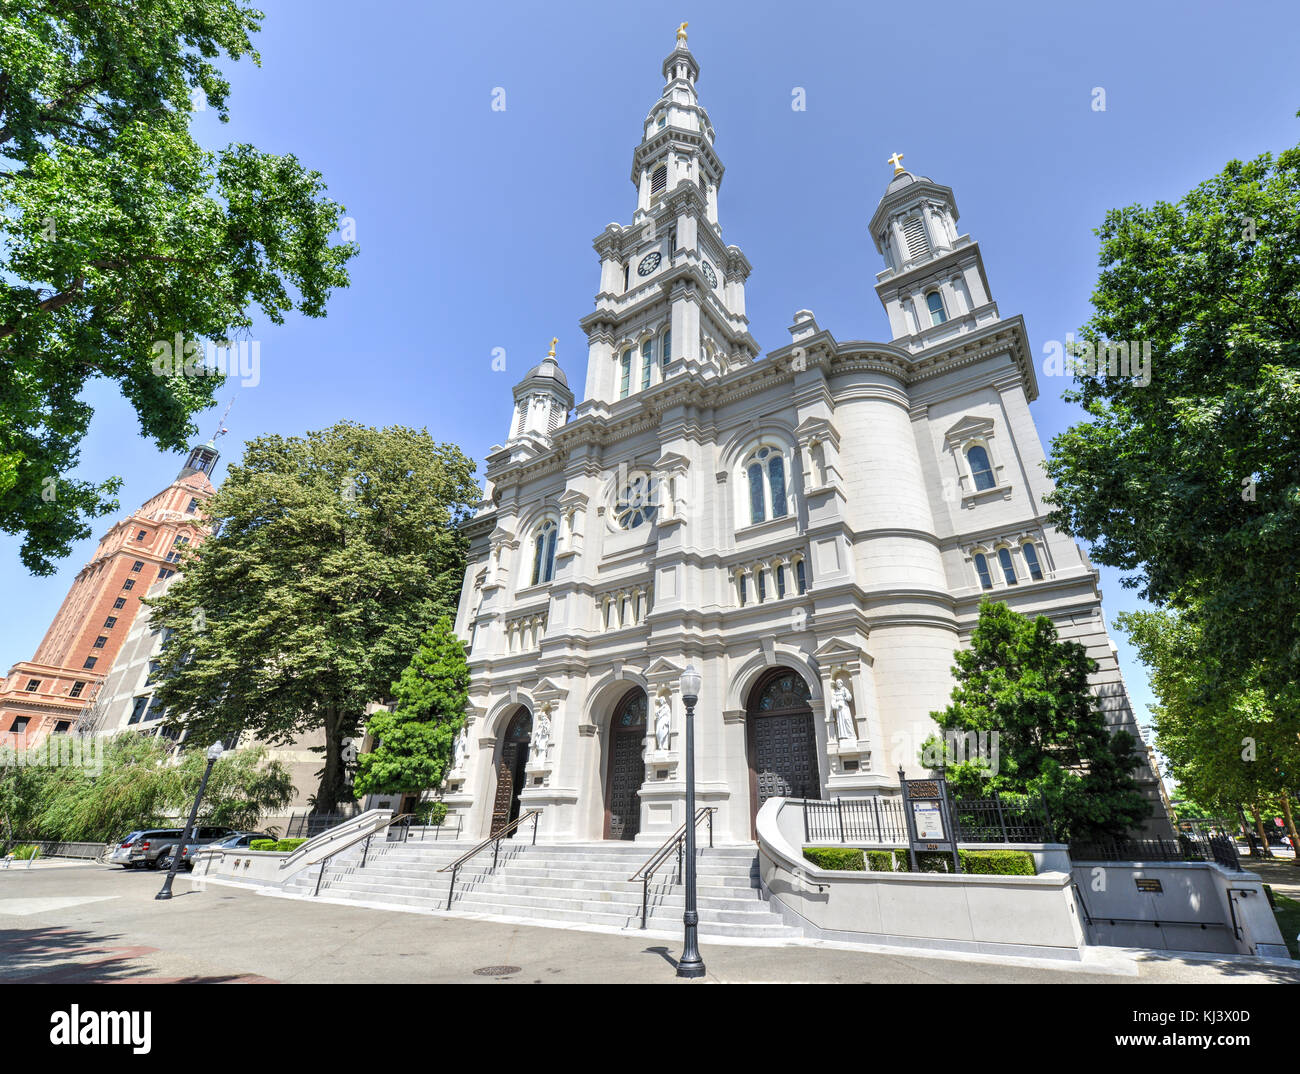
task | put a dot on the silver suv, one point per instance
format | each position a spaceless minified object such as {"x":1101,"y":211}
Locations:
{"x":150,"y":848}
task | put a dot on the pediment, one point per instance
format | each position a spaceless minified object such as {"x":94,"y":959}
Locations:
{"x":969,"y":426}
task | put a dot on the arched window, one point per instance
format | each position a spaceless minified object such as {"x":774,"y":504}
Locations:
{"x":800,"y":577}
{"x":665,"y":352}
{"x":1008,"y":568}
{"x":765,"y":471}
{"x":935,"y":301}
{"x":780,"y":580}
{"x":761,"y":575}
{"x":740,"y":584}
{"x":1031,"y":560}
{"x":626,"y":384}
{"x":982,"y":569}
{"x":647,"y":362}
{"x":980,"y":467}
{"x":544,"y":553}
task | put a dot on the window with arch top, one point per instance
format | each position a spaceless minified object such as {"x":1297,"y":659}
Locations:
{"x":1008,"y":568}
{"x":938,"y":314}
{"x":982,"y":569}
{"x":765,"y":475}
{"x":980,"y":467}
{"x":544,"y":553}
{"x":1030,"y":551}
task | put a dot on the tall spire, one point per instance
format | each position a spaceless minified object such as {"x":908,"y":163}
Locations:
{"x":670,"y":288}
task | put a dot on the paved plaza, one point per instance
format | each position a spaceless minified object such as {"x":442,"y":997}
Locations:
{"x":83,"y":923}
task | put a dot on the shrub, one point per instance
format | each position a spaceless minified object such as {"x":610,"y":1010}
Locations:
{"x":848,"y":859}
{"x":432,"y":813}
{"x":998,"y":862}
{"x":26,"y":851}
{"x":262,"y":844}
{"x":289,"y":844}
{"x":276,"y":844}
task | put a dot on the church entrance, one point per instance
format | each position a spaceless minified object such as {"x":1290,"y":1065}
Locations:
{"x":626,"y":770}
{"x":780,"y":740}
{"x":510,"y":769}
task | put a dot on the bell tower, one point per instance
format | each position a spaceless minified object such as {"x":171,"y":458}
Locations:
{"x":672,"y":293}
{"x":933,"y":286}
{"x":542,"y":404}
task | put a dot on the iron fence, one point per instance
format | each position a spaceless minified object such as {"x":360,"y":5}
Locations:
{"x":310,"y":825}
{"x":1188,"y":846}
{"x":881,"y":820}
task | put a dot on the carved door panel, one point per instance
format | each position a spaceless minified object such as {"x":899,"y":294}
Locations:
{"x":626,"y":772}
{"x":507,"y":794}
{"x":782,"y":741}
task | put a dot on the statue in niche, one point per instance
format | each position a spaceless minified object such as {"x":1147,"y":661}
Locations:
{"x":542,"y":733}
{"x":841,"y":699}
{"x":663,"y":722}
{"x":462,"y":749}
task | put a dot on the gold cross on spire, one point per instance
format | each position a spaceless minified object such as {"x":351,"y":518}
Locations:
{"x":681,"y":33}
{"x":551,"y":352}
{"x":897,"y":161}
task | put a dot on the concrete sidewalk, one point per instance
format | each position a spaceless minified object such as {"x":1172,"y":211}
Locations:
{"x":94,"y":923}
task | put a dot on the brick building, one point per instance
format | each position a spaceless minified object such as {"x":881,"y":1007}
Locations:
{"x":56,"y":689}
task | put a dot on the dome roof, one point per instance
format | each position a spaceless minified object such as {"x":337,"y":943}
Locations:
{"x":548,"y":368}
{"x":905,"y":178}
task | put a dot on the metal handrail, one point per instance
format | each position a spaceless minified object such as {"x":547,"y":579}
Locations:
{"x":652,"y":863}
{"x":495,"y":842}
{"x":408,"y":817}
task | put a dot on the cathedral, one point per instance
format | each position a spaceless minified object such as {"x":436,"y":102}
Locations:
{"x":812,"y":528}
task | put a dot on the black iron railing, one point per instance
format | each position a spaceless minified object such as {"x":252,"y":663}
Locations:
{"x":403,"y":825}
{"x":881,"y":820}
{"x":493,"y":841}
{"x":676,"y":841}
{"x":1186,"y":847}
{"x":310,"y":825}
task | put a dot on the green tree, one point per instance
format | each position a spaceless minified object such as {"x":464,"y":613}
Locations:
{"x":413,"y":743}
{"x":1192,"y":482}
{"x":119,"y":234}
{"x":1020,"y":680}
{"x":1227,"y":738}
{"x":333,"y":553}
{"x":245,"y":786}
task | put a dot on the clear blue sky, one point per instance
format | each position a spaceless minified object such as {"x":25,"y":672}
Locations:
{"x":475,"y":226}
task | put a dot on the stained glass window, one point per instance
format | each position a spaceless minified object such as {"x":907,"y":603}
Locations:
{"x":784,"y":692}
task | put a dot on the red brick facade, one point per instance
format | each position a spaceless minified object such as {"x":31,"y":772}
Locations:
{"x":78,"y":650}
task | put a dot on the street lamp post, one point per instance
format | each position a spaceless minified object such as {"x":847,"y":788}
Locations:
{"x":214,"y":755}
{"x":690,"y":964}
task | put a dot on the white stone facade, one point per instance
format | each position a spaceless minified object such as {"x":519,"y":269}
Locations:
{"x":821,"y":508}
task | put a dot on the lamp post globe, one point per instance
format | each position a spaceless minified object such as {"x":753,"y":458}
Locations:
{"x":214,"y":753}
{"x":690,"y":964}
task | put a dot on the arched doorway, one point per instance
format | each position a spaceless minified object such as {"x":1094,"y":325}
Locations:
{"x":510,"y":769}
{"x":625,"y":766}
{"x":780,"y":740}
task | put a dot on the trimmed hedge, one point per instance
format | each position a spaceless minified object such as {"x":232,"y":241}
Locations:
{"x":276,"y":844}
{"x":846,"y":859}
{"x":998,"y":862}
{"x":976,"y":862}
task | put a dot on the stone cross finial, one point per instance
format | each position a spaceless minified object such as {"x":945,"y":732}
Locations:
{"x":897,"y":161}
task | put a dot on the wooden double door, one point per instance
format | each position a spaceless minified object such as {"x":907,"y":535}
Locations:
{"x":510,"y":770}
{"x":625,"y":767}
{"x":781,"y":741}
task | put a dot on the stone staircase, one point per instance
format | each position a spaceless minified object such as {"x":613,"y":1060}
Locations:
{"x":572,"y":883}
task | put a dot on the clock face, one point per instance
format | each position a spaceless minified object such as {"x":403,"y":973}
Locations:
{"x":648,"y":264}
{"x":710,"y":275}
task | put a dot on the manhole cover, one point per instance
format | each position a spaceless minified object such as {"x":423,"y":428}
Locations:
{"x":495,"y":971}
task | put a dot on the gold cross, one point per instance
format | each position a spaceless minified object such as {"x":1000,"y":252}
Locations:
{"x":681,"y":34}
{"x":897,"y":161}
{"x":551,"y":352}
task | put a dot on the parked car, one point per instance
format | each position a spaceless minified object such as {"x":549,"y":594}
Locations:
{"x":121,"y":854}
{"x":153,"y":846}
{"x":234,"y":841}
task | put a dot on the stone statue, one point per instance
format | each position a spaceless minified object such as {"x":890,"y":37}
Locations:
{"x":663,"y":722}
{"x":541,"y":734}
{"x":840,"y":701}
{"x":462,"y":748}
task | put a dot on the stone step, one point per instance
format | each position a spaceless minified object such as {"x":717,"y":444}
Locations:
{"x":735,"y":887}
{"x":540,"y":869}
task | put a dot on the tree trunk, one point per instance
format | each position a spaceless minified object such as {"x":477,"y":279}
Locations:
{"x":1290,"y":827}
{"x":333,"y":787}
{"x":1252,"y":840}
{"x":1258,"y":814}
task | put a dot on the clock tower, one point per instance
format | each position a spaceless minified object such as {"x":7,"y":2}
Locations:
{"x":672,"y":293}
